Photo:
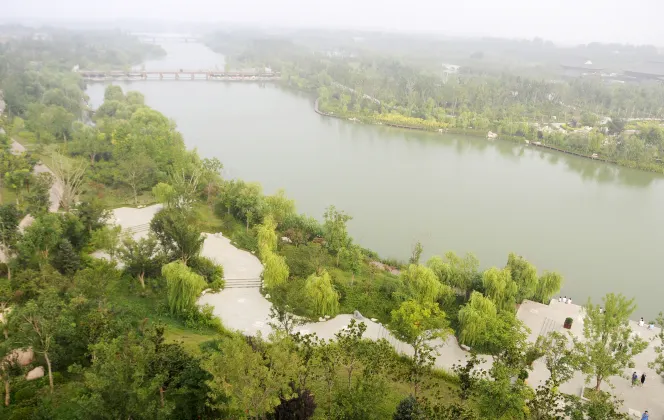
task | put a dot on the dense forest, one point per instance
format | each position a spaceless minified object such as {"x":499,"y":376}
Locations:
{"x":123,"y":336}
{"x":516,"y":91}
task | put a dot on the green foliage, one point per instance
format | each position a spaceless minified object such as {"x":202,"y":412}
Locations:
{"x":250,"y":383}
{"x":549,"y":284}
{"x":211,"y":271}
{"x":39,"y":240}
{"x":476,"y":320}
{"x":65,"y":259}
{"x":658,"y":363}
{"x":184,"y":287}
{"x":524,"y":275}
{"x":267,"y":237}
{"x":179,"y":237}
{"x":456,"y":272}
{"x":335,"y":231}
{"x":500,"y":288}
{"x":609,"y":344}
{"x":422,"y":284}
{"x":141,"y":257}
{"x":276,"y":271}
{"x":415,"y":322}
{"x":322,"y":295}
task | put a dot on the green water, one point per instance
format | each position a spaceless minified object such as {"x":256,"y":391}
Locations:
{"x":601,"y":226}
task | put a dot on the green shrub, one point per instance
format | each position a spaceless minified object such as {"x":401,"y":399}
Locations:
{"x":212,"y":272}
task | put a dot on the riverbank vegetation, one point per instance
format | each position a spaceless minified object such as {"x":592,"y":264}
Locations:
{"x":85,"y":337}
{"x":524,"y":98}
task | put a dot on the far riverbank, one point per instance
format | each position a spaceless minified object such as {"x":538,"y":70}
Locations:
{"x":354,"y":117}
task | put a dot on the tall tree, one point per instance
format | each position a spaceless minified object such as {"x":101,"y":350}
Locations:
{"x":68,"y":179}
{"x":336,"y":233}
{"x":276,"y":270}
{"x":500,"y":288}
{"x":422,"y":284}
{"x":183,"y":287}
{"x":476,"y":320}
{"x":138,"y":173}
{"x":548,"y":286}
{"x":38,"y":323}
{"x":248,"y":383}
{"x":417,"y":323}
{"x":609,"y":345}
{"x":140,"y":257}
{"x":266,"y":236}
{"x":177,"y":234}
{"x":658,"y":363}
{"x":321,"y":293}
{"x":457,"y":272}
{"x":524,"y":274}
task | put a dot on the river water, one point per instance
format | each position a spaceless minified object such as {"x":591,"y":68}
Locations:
{"x":599,"y":225}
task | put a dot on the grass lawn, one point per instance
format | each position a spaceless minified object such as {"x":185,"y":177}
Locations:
{"x":150,"y":307}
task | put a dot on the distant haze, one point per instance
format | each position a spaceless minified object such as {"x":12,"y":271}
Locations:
{"x":562,"y":21}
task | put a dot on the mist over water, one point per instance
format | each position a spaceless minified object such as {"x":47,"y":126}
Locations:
{"x":599,"y":225}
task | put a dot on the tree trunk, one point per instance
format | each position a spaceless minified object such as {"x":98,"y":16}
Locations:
{"x":133,"y":187}
{"x":50,"y":372}
{"x":599,"y":382}
{"x":161,"y":396}
{"x":141,"y":278}
{"x":7,"y":391}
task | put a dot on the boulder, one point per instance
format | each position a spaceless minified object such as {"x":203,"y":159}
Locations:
{"x":35,"y":373}
{"x":22,"y":357}
{"x":357,"y":315}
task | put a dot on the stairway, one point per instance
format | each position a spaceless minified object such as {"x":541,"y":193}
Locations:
{"x":138,"y":228}
{"x":549,"y":325}
{"x":243,"y":283}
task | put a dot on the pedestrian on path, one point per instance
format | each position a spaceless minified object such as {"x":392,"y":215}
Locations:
{"x":643,"y":379}
{"x":569,"y":301}
{"x":635,"y":379}
{"x":565,"y":299}
{"x":645,"y":415}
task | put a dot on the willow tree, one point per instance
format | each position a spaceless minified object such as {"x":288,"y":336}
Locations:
{"x":183,"y":286}
{"x":422,"y":284}
{"x":417,"y":323}
{"x":476,"y":320}
{"x":267,"y":237}
{"x":548,"y":285}
{"x":500,"y":287}
{"x":524,"y":274}
{"x":321,"y":293}
{"x":276,"y":270}
{"x":455,"y":271}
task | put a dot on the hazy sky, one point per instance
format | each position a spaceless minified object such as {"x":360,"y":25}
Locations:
{"x":635,"y":21}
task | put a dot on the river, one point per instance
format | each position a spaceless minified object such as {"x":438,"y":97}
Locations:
{"x":601,"y":226}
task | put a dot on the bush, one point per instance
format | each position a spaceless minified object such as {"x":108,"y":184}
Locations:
{"x":212,"y":272}
{"x":4,"y":269}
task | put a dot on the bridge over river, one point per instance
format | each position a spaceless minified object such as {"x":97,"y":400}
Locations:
{"x":180,"y":74}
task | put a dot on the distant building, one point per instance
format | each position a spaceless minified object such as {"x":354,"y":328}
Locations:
{"x":580,"y":70}
{"x":41,"y":36}
{"x":450,"y":69}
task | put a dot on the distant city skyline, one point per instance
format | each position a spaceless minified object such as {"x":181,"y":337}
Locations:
{"x":561,"y":21}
